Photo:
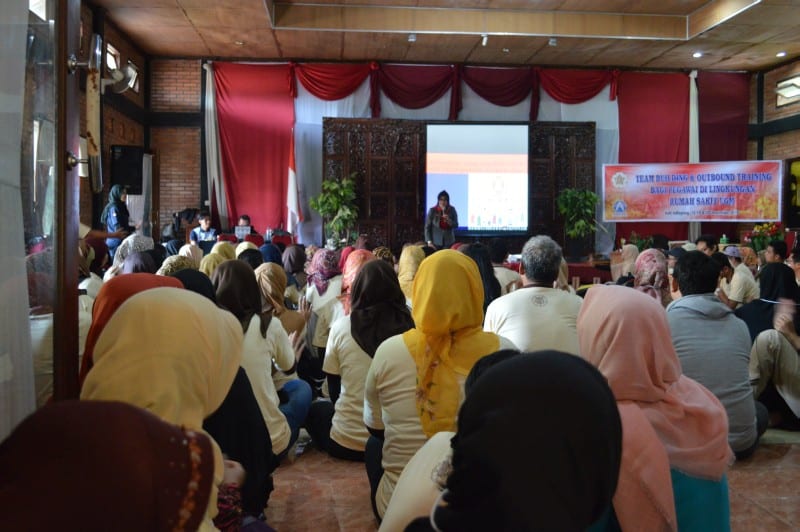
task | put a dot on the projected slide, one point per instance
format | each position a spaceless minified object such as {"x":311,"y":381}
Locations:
{"x":484,"y":168}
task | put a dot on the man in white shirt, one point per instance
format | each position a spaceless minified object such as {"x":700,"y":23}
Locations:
{"x":737,"y":284}
{"x":537,"y":316}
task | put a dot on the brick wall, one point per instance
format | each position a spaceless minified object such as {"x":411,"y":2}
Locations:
{"x":175,"y":85}
{"x":786,"y":145}
{"x":175,"y":88}
{"x":178,"y":155}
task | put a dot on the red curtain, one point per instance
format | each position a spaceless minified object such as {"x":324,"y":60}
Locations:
{"x":500,"y":86}
{"x":256,"y":114}
{"x":653,"y":128}
{"x":415,"y":87}
{"x":724,"y":112}
{"x":577,"y":86}
{"x":329,"y":82}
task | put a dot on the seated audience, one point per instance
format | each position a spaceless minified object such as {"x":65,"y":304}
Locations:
{"x":176,"y":263}
{"x":415,"y":383}
{"x":509,"y":279}
{"x":737,"y":284}
{"x":384,"y":253}
{"x":776,"y":251}
{"x":192,"y":252}
{"x":410,"y":259}
{"x":190,"y":361}
{"x":139,"y":262}
{"x":324,"y":279}
{"x":776,"y":282}
{"x":204,"y":232}
{"x":750,"y":259}
{"x":241,"y":246}
{"x":713,"y":347}
{"x":225,"y":249}
{"x":252,"y":257}
{"x":650,"y":275}
{"x":103,"y":472}
{"x":563,"y":280}
{"x":265,"y":344}
{"x":625,"y":334}
{"x":537,"y":316}
{"x":377,"y":311}
{"x":131,"y":244}
{"x":491,"y":286}
{"x":211,"y":262}
{"x":294,"y":263}
{"x":564,"y":481}
{"x":794,"y":263}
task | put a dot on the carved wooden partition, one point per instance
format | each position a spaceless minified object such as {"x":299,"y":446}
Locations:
{"x":387,"y":157}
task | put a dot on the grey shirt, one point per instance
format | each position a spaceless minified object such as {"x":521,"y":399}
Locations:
{"x":713,"y":346}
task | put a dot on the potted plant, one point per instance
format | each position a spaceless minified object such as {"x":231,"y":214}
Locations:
{"x":577,"y":206}
{"x":338,"y":208}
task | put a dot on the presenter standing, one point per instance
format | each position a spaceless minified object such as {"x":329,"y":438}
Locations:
{"x":442,"y":219}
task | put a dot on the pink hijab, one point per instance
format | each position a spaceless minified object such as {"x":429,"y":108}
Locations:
{"x":650,"y":275}
{"x":626,"y":335}
{"x":355,"y":260}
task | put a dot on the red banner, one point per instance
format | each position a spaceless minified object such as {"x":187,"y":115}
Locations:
{"x":743,"y":191}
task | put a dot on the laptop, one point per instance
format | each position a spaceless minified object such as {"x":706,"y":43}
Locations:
{"x":241,"y":231}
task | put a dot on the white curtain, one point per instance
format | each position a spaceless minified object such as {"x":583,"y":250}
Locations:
{"x":694,"y":140}
{"x":309,"y":111}
{"x":139,"y":205}
{"x":16,"y":366}
{"x":605,"y":114}
{"x":215,"y":183}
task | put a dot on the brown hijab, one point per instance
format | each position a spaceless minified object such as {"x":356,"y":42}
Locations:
{"x":272,"y":281}
{"x":378,"y":306}
{"x":237,"y":291}
{"x":114,"y":466}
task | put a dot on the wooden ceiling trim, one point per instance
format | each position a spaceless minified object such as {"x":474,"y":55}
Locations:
{"x":715,"y":13}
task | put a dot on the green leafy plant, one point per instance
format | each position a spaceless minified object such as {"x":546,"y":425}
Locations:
{"x":337,"y":206}
{"x":642,"y":242}
{"x":577,"y":206}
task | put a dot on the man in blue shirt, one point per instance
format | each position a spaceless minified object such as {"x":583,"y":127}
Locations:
{"x":203,"y":233}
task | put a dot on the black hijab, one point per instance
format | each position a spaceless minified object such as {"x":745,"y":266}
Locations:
{"x":776,"y":281}
{"x":197,"y":282}
{"x":378,"y":307}
{"x":506,"y":476}
{"x":115,"y":200}
{"x":237,"y":291}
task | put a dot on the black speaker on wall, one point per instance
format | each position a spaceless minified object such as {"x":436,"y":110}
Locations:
{"x":126,"y":167}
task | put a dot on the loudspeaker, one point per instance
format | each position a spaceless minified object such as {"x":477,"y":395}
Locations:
{"x":126,"y":167}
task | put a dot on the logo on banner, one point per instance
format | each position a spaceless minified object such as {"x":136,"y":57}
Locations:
{"x":619,"y":180}
{"x":620,"y":207}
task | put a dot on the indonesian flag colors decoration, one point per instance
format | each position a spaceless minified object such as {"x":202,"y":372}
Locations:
{"x":294,"y":215}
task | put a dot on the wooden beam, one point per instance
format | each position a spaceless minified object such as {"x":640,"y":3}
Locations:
{"x":715,"y":13}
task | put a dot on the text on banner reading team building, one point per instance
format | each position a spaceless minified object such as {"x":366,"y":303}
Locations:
{"x":725,"y":191}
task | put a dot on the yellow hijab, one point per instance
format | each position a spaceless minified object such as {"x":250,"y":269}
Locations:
{"x":410,"y":259}
{"x":448,"y":338}
{"x":182,"y":372}
{"x":225,"y":249}
{"x":210,"y":263}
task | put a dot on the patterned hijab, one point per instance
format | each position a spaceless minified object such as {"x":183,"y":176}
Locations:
{"x":378,"y":306}
{"x":355,"y":261}
{"x":176,"y":263}
{"x":448,"y":338}
{"x":94,"y":438}
{"x":131,"y":244}
{"x":625,"y":334}
{"x":410,"y":259}
{"x":323,"y":267}
{"x":193,"y":252}
{"x":111,"y":296}
{"x":384,"y":253}
{"x":650,"y":275}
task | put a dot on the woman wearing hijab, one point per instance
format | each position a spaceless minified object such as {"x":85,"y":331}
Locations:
{"x":211,"y":262}
{"x":174,"y":264}
{"x":650,"y":275}
{"x":225,"y":249}
{"x":110,"y":297}
{"x":294,"y":264}
{"x":564,"y":481}
{"x":195,"y":253}
{"x":132,"y":244}
{"x":265,"y":344}
{"x":110,"y":460}
{"x":324,"y":279}
{"x":243,"y":246}
{"x":675,"y":452}
{"x":626,"y":263}
{"x":378,"y":311}
{"x":414,"y":385}
{"x":115,"y":216}
{"x":385,"y":254}
{"x":410,"y":259}
{"x":270,"y":253}
{"x":192,"y":356}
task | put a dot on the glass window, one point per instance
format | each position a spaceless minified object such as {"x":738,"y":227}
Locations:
{"x":133,"y":82}
{"x":112,"y":58}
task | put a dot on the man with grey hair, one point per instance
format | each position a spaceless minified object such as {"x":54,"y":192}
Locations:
{"x":538,"y":315}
